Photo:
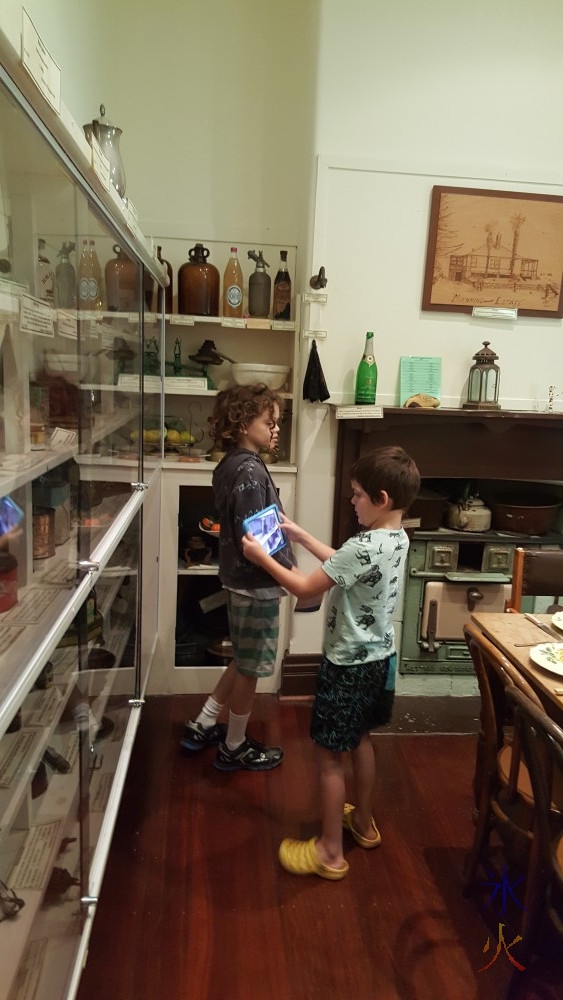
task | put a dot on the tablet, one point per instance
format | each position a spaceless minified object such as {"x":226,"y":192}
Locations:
{"x":10,"y":514}
{"x":266,"y":527}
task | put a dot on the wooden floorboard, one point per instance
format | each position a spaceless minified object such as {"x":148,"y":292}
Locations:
{"x":195,"y":905}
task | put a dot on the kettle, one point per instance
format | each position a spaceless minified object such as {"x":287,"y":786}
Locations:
{"x":469,"y":514}
{"x":108,"y":137}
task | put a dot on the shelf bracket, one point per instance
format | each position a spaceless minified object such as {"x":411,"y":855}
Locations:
{"x":87,"y":566}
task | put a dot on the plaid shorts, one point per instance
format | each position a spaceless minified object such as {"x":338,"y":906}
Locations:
{"x":254,"y":629}
{"x":350,"y":700}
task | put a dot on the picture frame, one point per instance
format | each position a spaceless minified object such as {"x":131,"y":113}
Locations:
{"x":495,"y":250}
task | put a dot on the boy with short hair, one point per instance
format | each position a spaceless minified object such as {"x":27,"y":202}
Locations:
{"x":245,"y":421}
{"x":356,"y":678}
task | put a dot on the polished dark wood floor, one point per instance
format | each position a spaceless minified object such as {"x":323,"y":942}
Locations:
{"x":194,"y":904}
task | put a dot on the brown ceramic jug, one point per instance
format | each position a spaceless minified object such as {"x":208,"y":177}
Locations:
{"x":122,"y":282}
{"x":198,"y":284}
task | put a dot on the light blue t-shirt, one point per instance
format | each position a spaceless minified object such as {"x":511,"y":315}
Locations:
{"x":367,"y":572}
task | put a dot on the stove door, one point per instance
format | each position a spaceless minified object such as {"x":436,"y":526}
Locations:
{"x":447,"y":606}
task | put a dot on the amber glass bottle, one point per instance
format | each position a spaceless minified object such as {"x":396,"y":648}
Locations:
{"x":90,"y":288}
{"x":282,"y":290}
{"x":198,"y":284}
{"x":232,"y":286}
{"x":122,"y":282}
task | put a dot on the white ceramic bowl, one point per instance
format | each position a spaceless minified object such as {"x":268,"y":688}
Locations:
{"x":273,"y":376}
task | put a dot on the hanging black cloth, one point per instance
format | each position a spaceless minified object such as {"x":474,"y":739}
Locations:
{"x":314,"y":384}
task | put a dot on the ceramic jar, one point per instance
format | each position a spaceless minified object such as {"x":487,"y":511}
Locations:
{"x":198,"y":284}
{"x":122,"y":282}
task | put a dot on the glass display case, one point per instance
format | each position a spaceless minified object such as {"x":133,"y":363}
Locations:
{"x":80,"y":459}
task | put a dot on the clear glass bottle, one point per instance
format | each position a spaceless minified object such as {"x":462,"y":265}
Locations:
{"x":281,"y":308}
{"x":232,"y":286}
{"x":44,"y":276}
{"x":366,"y":375}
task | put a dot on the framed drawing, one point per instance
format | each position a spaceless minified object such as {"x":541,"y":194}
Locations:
{"x":499,"y":249}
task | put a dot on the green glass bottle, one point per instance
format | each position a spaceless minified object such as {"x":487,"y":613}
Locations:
{"x":366,"y":375}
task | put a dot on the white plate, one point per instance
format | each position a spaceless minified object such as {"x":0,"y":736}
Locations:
{"x":206,"y":531}
{"x":557,"y":620}
{"x":549,"y":655}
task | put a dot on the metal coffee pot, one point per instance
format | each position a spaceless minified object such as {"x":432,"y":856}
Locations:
{"x":469,"y":514}
{"x":108,"y":136}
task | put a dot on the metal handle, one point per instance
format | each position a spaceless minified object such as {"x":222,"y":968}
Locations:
{"x":473,"y":596}
{"x":432,"y":625}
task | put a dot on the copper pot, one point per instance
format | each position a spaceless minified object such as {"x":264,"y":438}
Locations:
{"x":525,"y":516}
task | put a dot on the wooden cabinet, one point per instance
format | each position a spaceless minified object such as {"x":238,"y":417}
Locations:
{"x":192,"y":614}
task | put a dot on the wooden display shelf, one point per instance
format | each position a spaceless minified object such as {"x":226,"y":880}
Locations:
{"x":452,"y":444}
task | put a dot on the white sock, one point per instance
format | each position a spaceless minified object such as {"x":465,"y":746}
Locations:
{"x":209,"y":713}
{"x":236,"y":732}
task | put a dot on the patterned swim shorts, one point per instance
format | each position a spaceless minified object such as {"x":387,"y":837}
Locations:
{"x":254,"y":629}
{"x":350,"y":700}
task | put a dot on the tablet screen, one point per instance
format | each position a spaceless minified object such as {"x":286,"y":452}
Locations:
{"x":265,"y":526}
{"x":10,"y":514}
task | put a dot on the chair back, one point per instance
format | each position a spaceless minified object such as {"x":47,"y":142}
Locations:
{"x":501,"y":787}
{"x":535,"y":573}
{"x":490,"y":664}
{"x":541,"y":740}
{"x":495,"y":674}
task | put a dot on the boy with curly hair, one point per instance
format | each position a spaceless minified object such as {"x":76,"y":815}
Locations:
{"x":245,"y":420}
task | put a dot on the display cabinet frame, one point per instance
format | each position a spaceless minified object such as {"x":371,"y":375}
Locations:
{"x":77,"y":631}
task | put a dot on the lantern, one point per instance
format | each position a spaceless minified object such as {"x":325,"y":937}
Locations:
{"x":483,"y":382}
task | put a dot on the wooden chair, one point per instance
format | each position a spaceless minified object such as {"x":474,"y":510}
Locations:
{"x":501,"y":784}
{"x":541,"y":740}
{"x":536,"y":573}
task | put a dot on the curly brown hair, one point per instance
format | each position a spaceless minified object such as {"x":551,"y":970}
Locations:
{"x":234,"y":409}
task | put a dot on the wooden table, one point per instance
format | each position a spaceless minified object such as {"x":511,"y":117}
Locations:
{"x":506,"y":631}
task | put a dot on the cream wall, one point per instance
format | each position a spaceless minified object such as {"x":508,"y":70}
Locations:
{"x":425,"y":93}
{"x":225,"y":107}
{"x":73,"y":32}
{"x":215,"y":100}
